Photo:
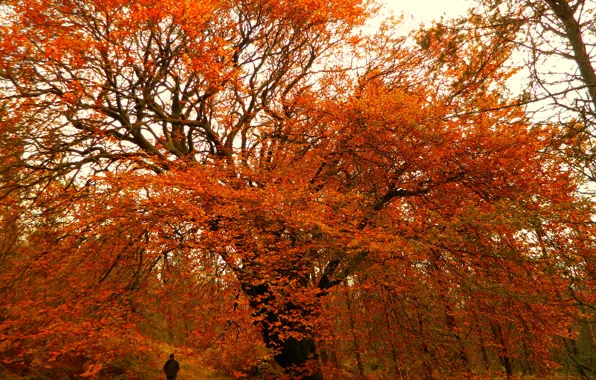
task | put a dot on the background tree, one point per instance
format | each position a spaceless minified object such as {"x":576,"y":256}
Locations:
{"x":556,"y":41}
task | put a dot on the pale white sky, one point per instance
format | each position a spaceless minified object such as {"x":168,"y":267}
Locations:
{"x":427,"y":10}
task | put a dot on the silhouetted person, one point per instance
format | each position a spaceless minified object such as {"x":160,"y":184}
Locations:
{"x":171,"y":368}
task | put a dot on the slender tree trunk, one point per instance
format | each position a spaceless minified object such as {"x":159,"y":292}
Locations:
{"x":428,"y":369}
{"x":574,"y":354}
{"x":450,"y":321}
{"x":397,"y":369}
{"x":528,"y":365}
{"x":504,"y":356}
{"x":389,"y":325}
{"x":484,"y":355}
{"x":573,"y":32}
{"x":352,"y":331}
{"x":483,"y":349}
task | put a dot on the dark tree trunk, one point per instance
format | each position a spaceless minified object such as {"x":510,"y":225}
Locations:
{"x":353,"y":331}
{"x":297,"y":356}
{"x":504,"y":357}
{"x":573,"y":353}
{"x":573,"y":31}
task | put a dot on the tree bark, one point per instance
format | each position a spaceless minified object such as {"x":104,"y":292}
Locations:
{"x":504,"y":356}
{"x":297,"y":356}
{"x":573,"y":32}
{"x":357,"y":353}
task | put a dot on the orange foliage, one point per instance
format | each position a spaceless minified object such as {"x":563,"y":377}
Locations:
{"x":214,"y":175}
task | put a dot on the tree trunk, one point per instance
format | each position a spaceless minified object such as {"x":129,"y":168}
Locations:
{"x":278,"y":321}
{"x":294,"y":354}
{"x":484,"y":355}
{"x":357,"y":353}
{"x":573,"y":32}
{"x":573,"y":353}
{"x":450,"y":321}
{"x":504,"y":356}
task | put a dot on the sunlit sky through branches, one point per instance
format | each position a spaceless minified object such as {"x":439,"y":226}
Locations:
{"x":419,"y":11}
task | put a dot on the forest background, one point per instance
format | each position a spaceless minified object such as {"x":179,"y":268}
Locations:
{"x":305,"y":189}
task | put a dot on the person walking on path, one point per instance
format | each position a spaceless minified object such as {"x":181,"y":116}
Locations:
{"x":171,"y":368}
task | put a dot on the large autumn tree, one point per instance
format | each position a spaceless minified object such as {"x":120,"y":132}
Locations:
{"x":150,"y":146}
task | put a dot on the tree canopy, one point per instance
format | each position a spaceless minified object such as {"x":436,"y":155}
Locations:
{"x":246,"y":180}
